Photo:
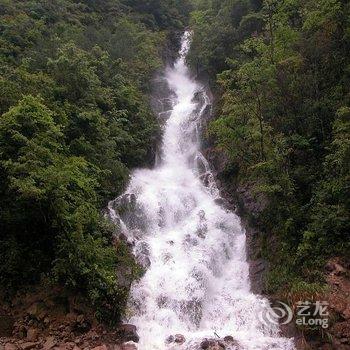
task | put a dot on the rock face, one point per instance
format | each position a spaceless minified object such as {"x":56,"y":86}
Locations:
{"x":257,"y":271}
{"x":240,"y":198}
{"x":131,"y":213}
{"x":253,"y":204}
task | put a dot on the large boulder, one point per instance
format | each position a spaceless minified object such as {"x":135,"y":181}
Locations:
{"x":128,"y":332}
{"x":179,"y":339}
{"x":220,"y":344}
{"x":212,"y":344}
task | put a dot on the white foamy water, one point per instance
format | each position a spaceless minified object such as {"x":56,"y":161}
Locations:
{"x":197,"y":278}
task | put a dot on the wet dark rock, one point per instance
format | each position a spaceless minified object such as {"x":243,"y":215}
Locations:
{"x":170,"y":339}
{"x":229,"y":339}
{"x":128,"y":332}
{"x":179,"y":339}
{"x":198,"y":97}
{"x":202,"y":232}
{"x":206,"y":179}
{"x":223,"y":202}
{"x":130,"y":212}
{"x":212,"y":344}
{"x":257,"y":273}
{"x":143,"y":248}
{"x":161,"y":97}
{"x":205,"y":344}
{"x":144,"y":261}
{"x":127,"y":238}
{"x":201,"y":166}
{"x":202,"y":99}
{"x":142,"y":253}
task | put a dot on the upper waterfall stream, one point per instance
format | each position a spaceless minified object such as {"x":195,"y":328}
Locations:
{"x":197,"y":277}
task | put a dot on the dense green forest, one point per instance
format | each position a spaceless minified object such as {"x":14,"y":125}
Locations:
{"x":75,"y":117}
{"x":281,"y":71}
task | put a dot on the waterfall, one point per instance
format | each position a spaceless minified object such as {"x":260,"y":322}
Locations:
{"x":196,"y":280}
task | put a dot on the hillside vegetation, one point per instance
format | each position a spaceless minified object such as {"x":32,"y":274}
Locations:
{"x":74,"y":80}
{"x":281,"y":70}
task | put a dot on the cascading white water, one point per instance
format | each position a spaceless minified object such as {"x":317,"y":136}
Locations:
{"x":197,"y":279}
